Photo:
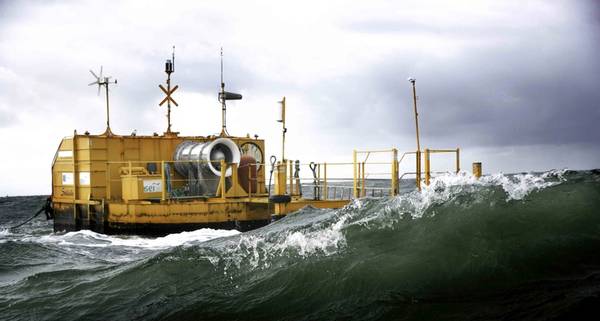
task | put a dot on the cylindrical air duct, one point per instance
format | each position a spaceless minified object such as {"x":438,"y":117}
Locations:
{"x":207,"y":154}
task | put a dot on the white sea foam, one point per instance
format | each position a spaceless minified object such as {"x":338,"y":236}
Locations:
{"x":88,"y":238}
{"x":258,"y":250}
{"x":3,"y":234}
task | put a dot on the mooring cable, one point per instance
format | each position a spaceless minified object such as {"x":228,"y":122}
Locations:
{"x":29,"y":219}
{"x":47,"y":208}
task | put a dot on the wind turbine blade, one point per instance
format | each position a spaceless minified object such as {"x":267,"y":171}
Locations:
{"x":100,"y":71}
{"x":94,"y":74}
{"x":98,"y":89}
{"x":92,"y":83}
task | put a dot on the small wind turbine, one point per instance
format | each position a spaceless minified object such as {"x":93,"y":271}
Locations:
{"x":103,"y":81}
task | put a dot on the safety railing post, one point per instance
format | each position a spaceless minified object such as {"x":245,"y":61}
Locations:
{"x":394,"y":187}
{"x":427,"y":167}
{"x":418,"y":170}
{"x":325,"y":196}
{"x":354,"y":172}
{"x":457,"y":160}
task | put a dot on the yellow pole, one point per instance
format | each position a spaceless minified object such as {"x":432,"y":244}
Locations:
{"x":281,"y":179}
{"x":418,"y":174}
{"x":477,"y":169}
{"x":427,"y":167}
{"x":234,"y":178}
{"x":394,"y":190}
{"x":325,"y":181}
{"x":457,"y":160}
{"x":222,"y":179}
{"x":354,"y":172}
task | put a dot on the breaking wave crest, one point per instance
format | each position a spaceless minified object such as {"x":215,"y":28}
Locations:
{"x":503,"y":246}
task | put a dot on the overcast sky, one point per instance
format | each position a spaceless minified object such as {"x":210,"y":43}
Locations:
{"x":515,"y":84}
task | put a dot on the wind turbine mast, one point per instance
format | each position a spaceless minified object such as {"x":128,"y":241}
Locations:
{"x":104,"y":81}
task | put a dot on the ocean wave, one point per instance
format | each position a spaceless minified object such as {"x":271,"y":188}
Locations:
{"x":520,"y":245}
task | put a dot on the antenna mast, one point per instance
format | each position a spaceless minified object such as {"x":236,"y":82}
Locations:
{"x":223,"y":106}
{"x":418,"y":153}
{"x":283,"y":128}
{"x":104,"y":81}
{"x":169,"y":69}
{"x":223,"y":96}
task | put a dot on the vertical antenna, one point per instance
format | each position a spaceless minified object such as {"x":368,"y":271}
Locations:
{"x":418,"y":154}
{"x":169,"y":69}
{"x":283,"y":128}
{"x":222,"y":83}
{"x":223,"y":98}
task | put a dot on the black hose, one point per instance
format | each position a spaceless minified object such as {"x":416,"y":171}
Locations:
{"x":47,"y":208}
{"x":28,"y":220}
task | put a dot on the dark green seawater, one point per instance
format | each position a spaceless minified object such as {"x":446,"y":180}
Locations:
{"x":507,"y":247}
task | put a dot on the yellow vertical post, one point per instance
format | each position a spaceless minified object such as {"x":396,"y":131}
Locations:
{"x":477,"y":169}
{"x":281,"y":179}
{"x":363,"y":185}
{"x":457,"y":160}
{"x":222,"y":179}
{"x":354,"y":172}
{"x":291,"y":177}
{"x":163,"y":195}
{"x":418,"y":170}
{"x":325,"y":181}
{"x":394,"y":187}
{"x":427,"y":166}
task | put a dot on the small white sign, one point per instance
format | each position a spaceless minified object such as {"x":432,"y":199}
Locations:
{"x":65,"y":153}
{"x":152,"y":186}
{"x":84,"y":178}
{"x":67,"y":178}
